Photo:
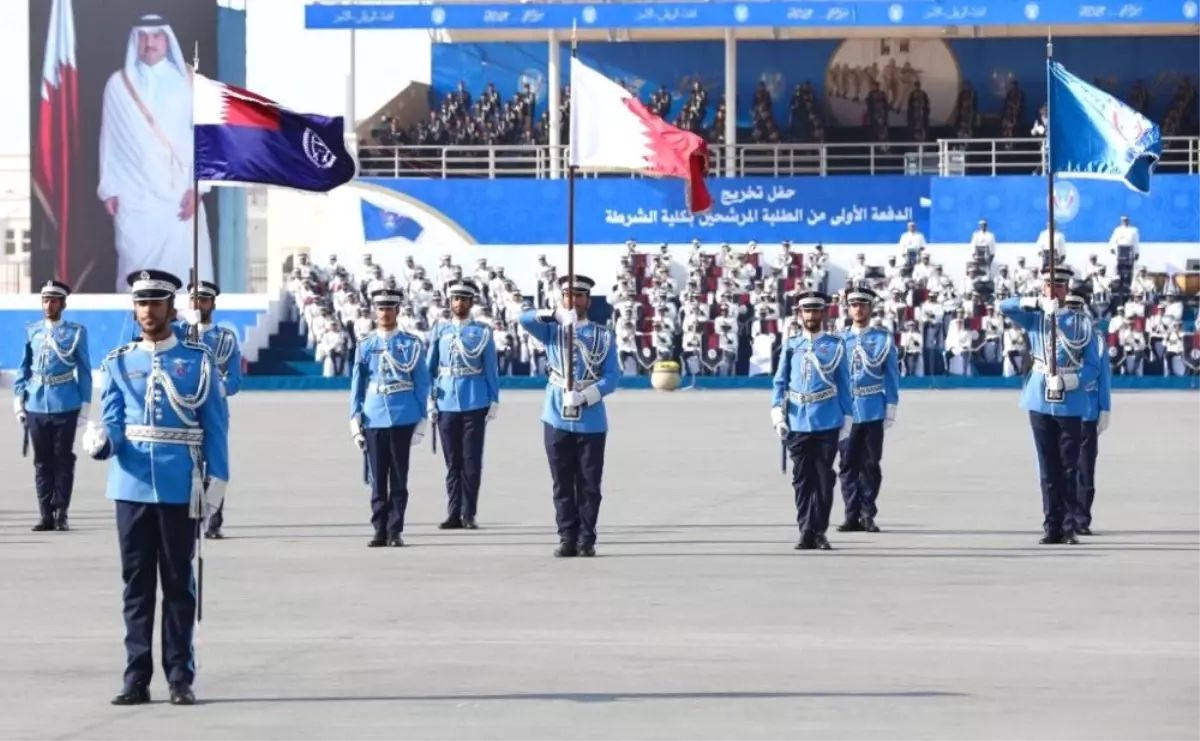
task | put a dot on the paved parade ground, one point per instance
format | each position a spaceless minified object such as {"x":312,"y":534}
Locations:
{"x":697,"y":620}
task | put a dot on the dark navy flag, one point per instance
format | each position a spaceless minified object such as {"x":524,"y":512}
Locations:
{"x":1094,"y":135}
{"x":241,"y":137}
{"x":380,"y":223}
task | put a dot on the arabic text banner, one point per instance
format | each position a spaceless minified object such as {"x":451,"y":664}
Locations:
{"x":838,"y":210}
{"x":1086,"y":210}
{"x":834,"y":14}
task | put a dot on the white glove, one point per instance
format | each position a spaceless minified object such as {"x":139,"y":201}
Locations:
{"x":419,"y":433}
{"x":84,"y":411}
{"x":890,"y":417}
{"x":191,"y":316}
{"x":1102,"y":423}
{"x":1047,"y":305}
{"x":361,"y":441}
{"x":565,"y":317}
{"x":545,"y":316}
{"x":214,"y":495}
{"x":432,"y":409}
{"x":847,"y":423}
{"x":95,"y":439}
{"x":493,"y":410}
{"x":19,"y":408}
{"x":572,"y":398}
{"x":1054,"y":383}
{"x":356,"y":433}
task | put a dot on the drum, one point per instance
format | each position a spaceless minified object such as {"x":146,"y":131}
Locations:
{"x":1160,"y":281}
{"x":665,"y":376}
{"x":1188,"y":283}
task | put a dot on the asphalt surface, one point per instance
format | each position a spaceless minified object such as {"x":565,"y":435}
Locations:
{"x":698,"y":620}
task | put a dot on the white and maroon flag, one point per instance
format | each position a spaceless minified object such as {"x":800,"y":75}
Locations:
{"x":611,"y":130}
{"x":58,"y":127}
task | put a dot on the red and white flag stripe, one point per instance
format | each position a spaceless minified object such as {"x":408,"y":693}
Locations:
{"x":58,"y":126}
{"x":611,"y":130}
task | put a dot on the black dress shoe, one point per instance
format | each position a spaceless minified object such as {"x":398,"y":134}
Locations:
{"x":138,"y":694}
{"x":587,"y":550}
{"x":181,"y":694}
{"x":823,"y":543}
{"x":215,"y":534}
{"x":60,"y":521}
{"x":395,"y":542}
{"x":43,"y":526}
{"x":1051,"y":539}
{"x":451,"y":523}
{"x":377,"y":542}
{"x":869,"y":525}
{"x":1085,"y":530}
{"x":850,"y":526}
{"x":469,"y":523}
{"x":808,"y":541}
{"x":1069,"y":539}
{"x":566,"y":550}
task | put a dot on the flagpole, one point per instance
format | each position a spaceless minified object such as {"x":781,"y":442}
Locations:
{"x":570,"y":348}
{"x":1052,"y":352}
{"x":194,"y":333}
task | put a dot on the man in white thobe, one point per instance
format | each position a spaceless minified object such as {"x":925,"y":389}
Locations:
{"x":146,"y":173}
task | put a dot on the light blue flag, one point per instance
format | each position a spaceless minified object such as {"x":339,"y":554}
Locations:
{"x":1094,"y":135}
{"x":381,"y":223}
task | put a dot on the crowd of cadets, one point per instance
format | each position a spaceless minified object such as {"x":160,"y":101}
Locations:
{"x":736,"y":307}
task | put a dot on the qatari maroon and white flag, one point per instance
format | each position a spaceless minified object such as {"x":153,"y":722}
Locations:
{"x":58,"y":127}
{"x":611,"y":130}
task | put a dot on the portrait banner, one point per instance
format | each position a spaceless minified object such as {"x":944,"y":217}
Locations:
{"x":111,"y":139}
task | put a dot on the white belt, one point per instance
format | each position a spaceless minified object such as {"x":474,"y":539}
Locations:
{"x":1041,"y":366}
{"x":561,"y":381}
{"x":813,"y":398}
{"x":395,"y":387}
{"x":60,"y":379}
{"x":868,"y":390}
{"x":458,"y":370}
{"x":193,"y":438}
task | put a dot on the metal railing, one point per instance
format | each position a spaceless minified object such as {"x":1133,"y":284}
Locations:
{"x":944,"y":157}
{"x":1180,"y":155}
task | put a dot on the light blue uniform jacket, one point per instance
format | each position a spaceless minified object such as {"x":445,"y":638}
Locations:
{"x":389,"y":383}
{"x":55,"y":374}
{"x":874,"y":373}
{"x":595,"y":375}
{"x":813,"y":379}
{"x":1077,"y":354}
{"x":462,"y":364}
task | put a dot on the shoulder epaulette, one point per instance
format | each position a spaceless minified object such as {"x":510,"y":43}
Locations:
{"x":127,"y":348}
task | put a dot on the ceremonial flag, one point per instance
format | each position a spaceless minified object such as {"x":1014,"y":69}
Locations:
{"x":1094,"y":135}
{"x":242,"y":137}
{"x":58,"y":126}
{"x":380,"y":223}
{"x":612,"y":130}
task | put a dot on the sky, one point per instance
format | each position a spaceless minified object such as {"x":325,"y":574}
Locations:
{"x":304,"y":70}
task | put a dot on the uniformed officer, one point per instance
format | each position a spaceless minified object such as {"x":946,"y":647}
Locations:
{"x":875,"y":387}
{"x":466,"y":396}
{"x":163,"y":428}
{"x":198,"y":323}
{"x":811,"y":410}
{"x":1095,"y":421}
{"x":389,"y":385}
{"x":52,"y":392}
{"x":575,"y":423}
{"x":1058,"y":403}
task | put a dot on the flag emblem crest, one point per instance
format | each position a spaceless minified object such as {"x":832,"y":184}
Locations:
{"x":317,"y":150}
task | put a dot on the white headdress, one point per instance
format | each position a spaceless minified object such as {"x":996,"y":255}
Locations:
{"x":150,"y":24}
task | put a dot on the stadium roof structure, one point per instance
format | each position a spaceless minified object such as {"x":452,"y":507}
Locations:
{"x":760,"y":19}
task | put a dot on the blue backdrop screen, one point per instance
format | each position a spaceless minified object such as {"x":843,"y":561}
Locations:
{"x":840,"y":210}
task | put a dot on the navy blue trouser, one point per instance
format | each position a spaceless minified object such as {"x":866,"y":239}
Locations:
{"x":462,"y":447}
{"x":52,"y":437}
{"x":1057,"y":440}
{"x":812,"y":455}
{"x":576,"y":468}
{"x":158,"y":542}
{"x":1089,"y":449}
{"x":860,"y":473}
{"x":387,"y":458}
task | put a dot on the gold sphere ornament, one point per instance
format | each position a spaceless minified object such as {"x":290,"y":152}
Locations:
{"x":664,"y":376}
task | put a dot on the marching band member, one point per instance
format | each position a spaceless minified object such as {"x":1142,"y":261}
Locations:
{"x":983,"y":245}
{"x":913,"y":347}
{"x":1095,"y":420}
{"x":811,"y":410}
{"x":164,"y":429}
{"x":227,"y":357}
{"x":627,"y":348}
{"x":875,"y":388}
{"x":1133,"y":344}
{"x":1173,"y":362}
{"x":1060,"y":247}
{"x":466,"y":396}
{"x":912,"y":245}
{"x":52,"y":393}
{"x":1057,"y":403}
{"x":575,"y":423}
{"x":1015,"y":350}
{"x":389,"y":386}
{"x":992,"y":326}
{"x":960,"y":344}
{"x":1124,"y":244}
